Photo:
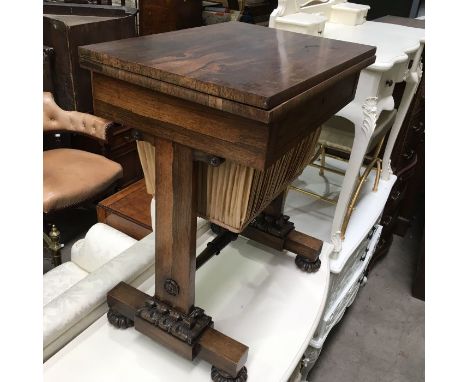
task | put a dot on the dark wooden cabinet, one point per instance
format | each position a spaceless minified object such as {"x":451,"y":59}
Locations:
{"x":66,"y":27}
{"x":128,"y":211}
{"x":47,"y":69}
{"x":158,"y":16}
{"x":402,"y":8}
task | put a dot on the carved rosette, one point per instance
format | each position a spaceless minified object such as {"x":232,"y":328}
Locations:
{"x":307,"y":265}
{"x":186,"y":327}
{"x":218,"y":375}
{"x":171,"y":287}
{"x":118,"y":320}
{"x":370,"y":116}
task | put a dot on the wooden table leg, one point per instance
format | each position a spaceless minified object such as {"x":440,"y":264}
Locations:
{"x":170,"y":317}
{"x":176,"y":225}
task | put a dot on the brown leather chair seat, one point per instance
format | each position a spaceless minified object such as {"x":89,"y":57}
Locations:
{"x":74,"y":176}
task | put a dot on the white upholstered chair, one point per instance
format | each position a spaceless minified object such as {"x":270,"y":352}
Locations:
{"x":74,"y":292}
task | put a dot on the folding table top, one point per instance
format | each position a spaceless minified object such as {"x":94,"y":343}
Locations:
{"x":253,"y":65}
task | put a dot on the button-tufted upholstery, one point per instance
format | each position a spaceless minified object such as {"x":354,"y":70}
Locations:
{"x":70,"y":176}
{"x":57,"y":119}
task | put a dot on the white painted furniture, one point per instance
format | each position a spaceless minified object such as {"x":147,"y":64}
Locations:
{"x":74,"y":292}
{"x":315,"y":217}
{"x":348,"y":13}
{"x":398,"y":59}
{"x":253,"y":294}
{"x":398,"y":54}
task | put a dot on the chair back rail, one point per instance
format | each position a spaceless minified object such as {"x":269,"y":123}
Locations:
{"x":55,"y":119}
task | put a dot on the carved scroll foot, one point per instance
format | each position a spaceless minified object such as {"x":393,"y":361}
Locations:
{"x":218,"y":375}
{"x":118,"y":320}
{"x":279,"y":233}
{"x":306,"y":265}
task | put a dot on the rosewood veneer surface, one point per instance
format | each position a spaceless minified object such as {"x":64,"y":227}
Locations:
{"x":255,"y":89}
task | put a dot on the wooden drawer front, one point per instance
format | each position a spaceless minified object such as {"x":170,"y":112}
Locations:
{"x":256,"y":142}
{"x":128,"y":210}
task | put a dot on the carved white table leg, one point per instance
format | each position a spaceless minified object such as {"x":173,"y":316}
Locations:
{"x":412,"y":82}
{"x":362,"y":136}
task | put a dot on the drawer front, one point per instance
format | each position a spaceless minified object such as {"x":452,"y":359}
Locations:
{"x":339,"y":281}
{"x":387,"y":85}
{"x":352,"y":279}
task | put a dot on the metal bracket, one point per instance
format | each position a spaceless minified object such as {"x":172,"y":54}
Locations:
{"x":211,"y":160}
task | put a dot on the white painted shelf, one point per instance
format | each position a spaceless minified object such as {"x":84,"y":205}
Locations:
{"x":314,"y":216}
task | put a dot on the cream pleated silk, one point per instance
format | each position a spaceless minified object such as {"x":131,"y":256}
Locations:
{"x":232,"y":195}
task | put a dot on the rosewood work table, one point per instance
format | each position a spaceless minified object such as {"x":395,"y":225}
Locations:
{"x":229,"y":94}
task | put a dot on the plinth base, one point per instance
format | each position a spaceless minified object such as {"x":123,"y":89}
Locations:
{"x":224,"y":353}
{"x":279,"y":233}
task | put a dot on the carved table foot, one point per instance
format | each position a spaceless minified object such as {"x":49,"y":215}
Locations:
{"x":189,"y":335}
{"x":306,"y":265}
{"x":218,"y":375}
{"x":118,"y":320}
{"x":279,"y":233}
